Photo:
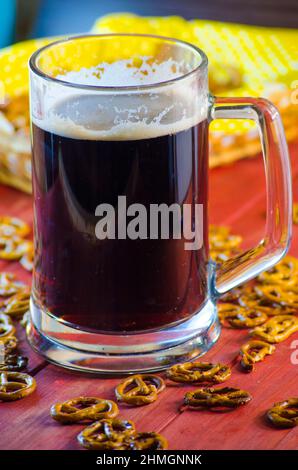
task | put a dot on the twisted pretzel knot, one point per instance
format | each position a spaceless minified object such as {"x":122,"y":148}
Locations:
{"x":237,"y":316}
{"x":28,"y":258}
{"x":221,"y":240}
{"x":13,"y":248}
{"x":277,"y":329}
{"x":199,"y":372}
{"x":17,"y":304}
{"x":83,"y":409}
{"x":13,"y":226}
{"x":254,"y":351}
{"x":15,"y":385}
{"x":253,"y":300}
{"x":284,"y":414}
{"x":14,"y":363}
{"x":233,"y":295}
{"x":286,"y":296}
{"x":107,"y":434}
{"x":139,"y":389}
{"x":9,"y":285}
{"x":6,"y":327}
{"x":226,"y":397}
{"x":9,"y":343}
{"x":148,"y":441}
{"x":285,"y":272}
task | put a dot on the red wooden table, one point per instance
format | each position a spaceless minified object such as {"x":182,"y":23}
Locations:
{"x":237,"y":198}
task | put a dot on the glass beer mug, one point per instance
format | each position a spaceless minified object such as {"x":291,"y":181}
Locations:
{"x":122,"y":279}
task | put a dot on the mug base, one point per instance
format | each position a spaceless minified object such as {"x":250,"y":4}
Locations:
{"x":111,"y":354}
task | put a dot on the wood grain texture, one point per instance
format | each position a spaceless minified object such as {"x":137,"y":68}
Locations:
{"x":237,"y":198}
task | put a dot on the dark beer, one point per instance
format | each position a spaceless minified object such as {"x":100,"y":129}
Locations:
{"x":116,"y":284}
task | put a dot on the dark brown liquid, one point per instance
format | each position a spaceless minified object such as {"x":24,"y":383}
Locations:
{"x":116,"y":285}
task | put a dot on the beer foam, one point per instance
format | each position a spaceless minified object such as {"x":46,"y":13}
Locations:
{"x":127,"y":73}
{"x":132,"y":114}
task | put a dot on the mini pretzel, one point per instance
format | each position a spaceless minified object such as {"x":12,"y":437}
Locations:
{"x":284,"y":272}
{"x":15,"y":385}
{"x":8,"y":284}
{"x":6,"y":327}
{"x":237,"y":316}
{"x":28,"y":258}
{"x":284,"y":414}
{"x":13,"y":248}
{"x":9,"y":343}
{"x":14,"y":363}
{"x":107,"y":434}
{"x":226,"y":397}
{"x":221,"y":240}
{"x":233,"y":295}
{"x":13,"y":226}
{"x":139,"y":389}
{"x":148,"y":441}
{"x":254,"y":301}
{"x":279,"y":295}
{"x":82,"y":409}
{"x":277,"y":329}
{"x":199,"y":372}
{"x":254,"y":351}
{"x":18,"y":304}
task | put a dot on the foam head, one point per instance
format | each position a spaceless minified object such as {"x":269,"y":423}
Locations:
{"x":152,"y":99}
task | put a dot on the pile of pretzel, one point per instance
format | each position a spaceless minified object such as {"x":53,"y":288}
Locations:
{"x":268,"y":306}
{"x":14,"y":245}
{"x":15,"y":148}
{"x":14,"y":303}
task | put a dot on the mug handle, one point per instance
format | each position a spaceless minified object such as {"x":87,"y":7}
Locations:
{"x":278,"y":228}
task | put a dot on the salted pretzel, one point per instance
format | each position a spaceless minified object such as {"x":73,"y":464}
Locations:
{"x":284,"y":414}
{"x":139,"y":389}
{"x":279,"y":295}
{"x":220,"y":256}
{"x":6,"y":327}
{"x":277,"y":329}
{"x":254,"y":351}
{"x":148,"y":441}
{"x":217,"y":398}
{"x":28,"y":258}
{"x":13,"y":248}
{"x":13,"y":226}
{"x":9,"y":285}
{"x":190,"y":372}
{"x":82,"y":409}
{"x":253,"y":300}
{"x":220,"y":239}
{"x":15,"y":385}
{"x":237,"y":316}
{"x":18,"y":304}
{"x":285,"y":271}
{"x":233,"y":295}
{"x":13,"y":363}
{"x":9,"y":343}
{"x":107,"y":434}
{"x":226,"y":256}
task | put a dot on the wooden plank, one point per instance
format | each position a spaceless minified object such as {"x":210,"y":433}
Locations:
{"x":245,"y":428}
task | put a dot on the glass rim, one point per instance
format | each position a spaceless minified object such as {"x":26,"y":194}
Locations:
{"x":35,"y":68}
